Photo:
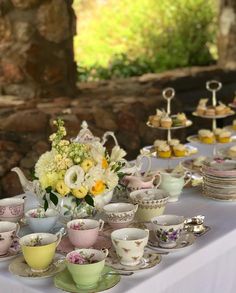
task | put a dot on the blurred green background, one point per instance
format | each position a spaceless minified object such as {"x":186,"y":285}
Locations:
{"x":123,"y":38}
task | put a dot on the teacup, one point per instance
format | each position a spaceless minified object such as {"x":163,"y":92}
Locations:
{"x":129,"y":244}
{"x":83,"y":233}
{"x":11,"y":209}
{"x":151,"y":203}
{"x":168,"y":229}
{"x":40,"y":220}
{"x":8,"y":231}
{"x":85,"y":266}
{"x":39,"y":249}
{"x":173,"y":183}
{"x":120,"y":215}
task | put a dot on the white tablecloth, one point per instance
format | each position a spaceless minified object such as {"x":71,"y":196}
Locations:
{"x":206,"y":267}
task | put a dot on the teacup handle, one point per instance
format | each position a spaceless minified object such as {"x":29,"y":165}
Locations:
{"x":147,"y":231}
{"x":101,"y":224}
{"x":139,"y":163}
{"x":135,"y":208}
{"x":158,"y":174}
{"x":188,"y":173}
{"x":59,"y":236}
{"x":17,"y":229}
{"x":105,"y":250}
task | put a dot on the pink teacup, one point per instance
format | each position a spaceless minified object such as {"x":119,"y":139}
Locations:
{"x":11,"y":209}
{"x":83,"y":233}
{"x":8,"y":231}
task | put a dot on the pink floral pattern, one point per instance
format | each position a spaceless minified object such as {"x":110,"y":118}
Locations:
{"x":2,"y":210}
{"x":15,"y":211}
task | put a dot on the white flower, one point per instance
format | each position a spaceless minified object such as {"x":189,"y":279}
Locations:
{"x":74,"y":176}
{"x":111,"y":179}
{"x":117,"y":154}
{"x":94,"y":174}
{"x":98,"y":152}
{"x":45,"y":164}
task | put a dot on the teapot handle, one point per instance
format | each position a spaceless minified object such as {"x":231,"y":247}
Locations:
{"x":106,"y":135}
{"x":139,"y":162}
{"x":188,"y":177}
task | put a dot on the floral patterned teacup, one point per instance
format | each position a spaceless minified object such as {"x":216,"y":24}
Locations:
{"x":120,"y":214}
{"x":11,"y":209}
{"x":8,"y":231}
{"x":168,"y":229}
{"x":129,"y":244}
{"x":83,"y":233}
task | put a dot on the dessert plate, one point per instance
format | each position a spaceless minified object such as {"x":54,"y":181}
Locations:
{"x":149,"y":150}
{"x":148,"y":261}
{"x":194,"y":139}
{"x":188,"y":123}
{"x":64,"y":281}
{"x":185,"y":240}
{"x":20,"y":268}
{"x":215,"y":116}
{"x":65,"y":245}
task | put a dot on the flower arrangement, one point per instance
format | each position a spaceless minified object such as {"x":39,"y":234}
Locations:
{"x":81,"y":170}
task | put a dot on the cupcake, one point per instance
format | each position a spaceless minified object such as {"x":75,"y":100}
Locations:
{"x":179,"y":150}
{"x":210,"y":112}
{"x":159,"y":113}
{"x":182,"y":118}
{"x":220,"y":109}
{"x":154,"y":120}
{"x":206,"y":136}
{"x":234,"y":125}
{"x":164,"y":151}
{"x":159,"y":142}
{"x":201,"y":108}
{"x":166,"y":121}
{"x":173,"y":142}
{"x":232,"y":151}
{"x":224,"y":136}
{"x":217,"y":132}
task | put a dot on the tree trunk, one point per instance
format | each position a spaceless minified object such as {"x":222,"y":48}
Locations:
{"x":36,"y":48}
{"x":227,"y":34}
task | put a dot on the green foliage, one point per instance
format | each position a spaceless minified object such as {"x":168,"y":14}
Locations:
{"x":126,"y":38}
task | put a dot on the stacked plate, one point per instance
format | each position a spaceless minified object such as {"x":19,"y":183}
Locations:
{"x":219,"y":179}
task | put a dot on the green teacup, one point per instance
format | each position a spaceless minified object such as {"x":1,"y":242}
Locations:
{"x":85,"y":266}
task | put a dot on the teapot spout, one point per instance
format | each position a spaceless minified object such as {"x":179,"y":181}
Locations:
{"x":25,"y":183}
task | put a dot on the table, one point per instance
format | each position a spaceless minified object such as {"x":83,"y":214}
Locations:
{"x":207,"y":267}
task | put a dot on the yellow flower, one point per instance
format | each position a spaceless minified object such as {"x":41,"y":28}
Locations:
{"x":104,"y":163}
{"x":48,"y":179}
{"x":87,"y":164}
{"x":80,"y":192}
{"x":62,"y":188}
{"x":98,"y":188}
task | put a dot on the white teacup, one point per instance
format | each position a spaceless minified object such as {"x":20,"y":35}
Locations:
{"x":8,"y":231}
{"x":168,"y":229}
{"x":129,"y":244}
{"x":174,"y":183}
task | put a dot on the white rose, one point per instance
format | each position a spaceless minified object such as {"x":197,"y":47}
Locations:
{"x":74,"y":176}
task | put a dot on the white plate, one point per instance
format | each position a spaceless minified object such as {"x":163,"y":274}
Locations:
{"x":149,"y":150}
{"x":185,"y":240}
{"x":213,"y":117}
{"x":148,"y":261}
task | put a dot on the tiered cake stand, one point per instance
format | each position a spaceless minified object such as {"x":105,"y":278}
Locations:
{"x":212,"y":86}
{"x":168,"y":94}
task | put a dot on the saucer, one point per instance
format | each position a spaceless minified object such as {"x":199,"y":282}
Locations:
{"x":185,"y":240}
{"x":13,"y":251}
{"x":65,"y":246}
{"x":20,"y":268}
{"x":64,"y":281}
{"x":148,"y":261}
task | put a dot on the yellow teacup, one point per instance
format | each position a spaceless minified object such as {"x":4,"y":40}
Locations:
{"x":39,"y":249}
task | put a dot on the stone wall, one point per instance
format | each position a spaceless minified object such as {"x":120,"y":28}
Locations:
{"x":36,"y":48}
{"x":118,"y":105}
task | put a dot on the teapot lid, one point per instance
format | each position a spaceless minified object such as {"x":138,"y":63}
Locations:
{"x":85,"y":136}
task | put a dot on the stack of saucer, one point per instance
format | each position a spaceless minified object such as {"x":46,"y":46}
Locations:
{"x":219,"y":179}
